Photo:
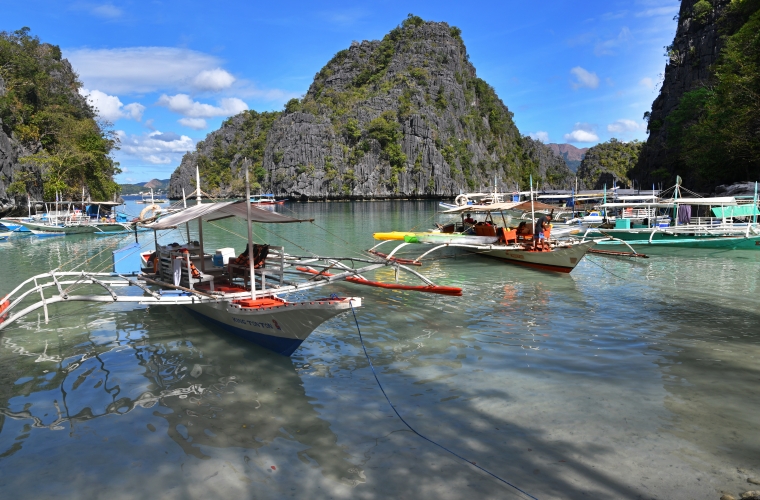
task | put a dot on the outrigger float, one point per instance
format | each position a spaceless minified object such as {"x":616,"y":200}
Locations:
{"x":244,"y":296}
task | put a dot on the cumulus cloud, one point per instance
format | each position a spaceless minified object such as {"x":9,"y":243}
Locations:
{"x":156,"y":147}
{"x":215,"y":79}
{"x":141,"y":69}
{"x":584,"y":78}
{"x":624,"y":126}
{"x":110,"y":107}
{"x":646,"y":82}
{"x":540,"y":136}
{"x":582,"y":132}
{"x":193,"y":123}
{"x":184,"y":105}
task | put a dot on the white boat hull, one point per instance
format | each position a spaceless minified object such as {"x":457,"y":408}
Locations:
{"x":77,"y":228}
{"x":280,"y":328}
{"x":560,"y":259}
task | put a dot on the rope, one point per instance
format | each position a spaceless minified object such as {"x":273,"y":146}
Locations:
{"x":412,"y":428}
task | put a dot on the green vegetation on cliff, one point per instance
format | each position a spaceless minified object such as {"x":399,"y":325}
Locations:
{"x":715,"y":128}
{"x":607,"y":162}
{"x":248,"y":142}
{"x":40,"y":107}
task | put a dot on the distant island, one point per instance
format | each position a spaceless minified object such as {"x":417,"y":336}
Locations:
{"x":141,"y":187}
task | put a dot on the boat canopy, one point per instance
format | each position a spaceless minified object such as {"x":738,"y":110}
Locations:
{"x":637,"y":197}
{"x":222,"y":210}
{"x":737,"y":211}
{"x":719,"y":201}
{"x":638,"y":204}
{"x":522,"y":206}
{"x":493,"y":207}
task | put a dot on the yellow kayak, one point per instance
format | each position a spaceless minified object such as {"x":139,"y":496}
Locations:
{"x":393,"y":235}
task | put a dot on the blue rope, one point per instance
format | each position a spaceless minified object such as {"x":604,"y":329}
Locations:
{"x":361,"y":339}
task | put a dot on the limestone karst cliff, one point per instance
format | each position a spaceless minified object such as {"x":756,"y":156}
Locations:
{"x":405,"y":116}
{"x":703,"y":125}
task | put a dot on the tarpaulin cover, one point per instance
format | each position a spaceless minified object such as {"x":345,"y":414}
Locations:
{"x":222,"y":210}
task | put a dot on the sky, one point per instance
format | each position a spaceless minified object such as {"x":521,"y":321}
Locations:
{"x":165,"y":74}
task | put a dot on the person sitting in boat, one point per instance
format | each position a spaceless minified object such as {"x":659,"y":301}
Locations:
{"x":469,"y":219}
{"x":260,"y":253}
{"x":523,"y":230}
{"x":542,"y":225}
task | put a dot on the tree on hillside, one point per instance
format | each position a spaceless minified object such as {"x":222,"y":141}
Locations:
{"x":40,"y":106}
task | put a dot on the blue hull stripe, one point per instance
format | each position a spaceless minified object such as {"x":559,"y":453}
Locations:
{"x":280,"y":345}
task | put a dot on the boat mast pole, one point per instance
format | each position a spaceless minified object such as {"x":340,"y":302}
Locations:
{"x":532,"y":211}
{"x":184,"y":205}
{"x":250,"y":233}
{"x":200,"y":219}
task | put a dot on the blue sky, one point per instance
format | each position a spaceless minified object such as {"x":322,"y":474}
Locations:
{"x":167,"y":73}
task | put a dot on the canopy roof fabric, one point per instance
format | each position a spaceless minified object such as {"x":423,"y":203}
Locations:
{"x":493,"y":207}
{"x":638,"y":204}
{"x":738,"y":211}
{"x":222,"y":210}
{"x":537,"y":205}
{"x":498,"y":207}
{"x":724,"y":200}
{"x":637,"y":197}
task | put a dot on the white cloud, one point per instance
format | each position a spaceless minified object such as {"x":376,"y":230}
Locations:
{"x":624,"y":126}
{"x":606,"y":47}
{"x":214,"y":79}
{"x":540,"y":136}
{"x":584,"y":78}
{"x":184,"y":105}
{"x":110,"y":107}
{"x":646,"y":82}
{"x":193,"y":123}
{"x":140,"y":69}
{"x":156,"y":147}
{"x":582,"y":132}
{"x":107,"y":10}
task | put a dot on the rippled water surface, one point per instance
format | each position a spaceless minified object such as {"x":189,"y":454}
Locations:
{"x":622,"y":380}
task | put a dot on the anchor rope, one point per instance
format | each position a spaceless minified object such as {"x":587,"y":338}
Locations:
{"x":470,"y":462}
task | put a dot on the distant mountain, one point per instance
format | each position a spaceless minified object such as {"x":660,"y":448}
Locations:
{"x":155,"y":184}
{"x":572,"y":155}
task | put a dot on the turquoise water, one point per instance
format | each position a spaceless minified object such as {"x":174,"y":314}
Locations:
{"x":621,"y":380}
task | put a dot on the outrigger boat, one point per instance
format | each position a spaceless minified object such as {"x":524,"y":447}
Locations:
{"x":265,"y":199}
{"x":490,"y":239}
{"x":650,"y":223}
{"x":245,"y":299}
{"x":65,"y":218}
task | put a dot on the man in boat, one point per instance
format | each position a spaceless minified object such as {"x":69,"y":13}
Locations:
{"x":469,"y":219}
{"x":542,"y":225}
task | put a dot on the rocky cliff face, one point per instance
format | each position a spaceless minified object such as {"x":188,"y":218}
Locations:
{"x":405,"y":116}
{"x":694,"y":50}
{"x":10,"y":150}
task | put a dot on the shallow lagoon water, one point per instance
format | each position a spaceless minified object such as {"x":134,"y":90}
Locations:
{"x":622,"y":380}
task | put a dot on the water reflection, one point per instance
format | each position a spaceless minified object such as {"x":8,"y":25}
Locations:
{"x":227,"y":394}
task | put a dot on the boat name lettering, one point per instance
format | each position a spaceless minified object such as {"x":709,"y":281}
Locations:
{"x":253,"y":323}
